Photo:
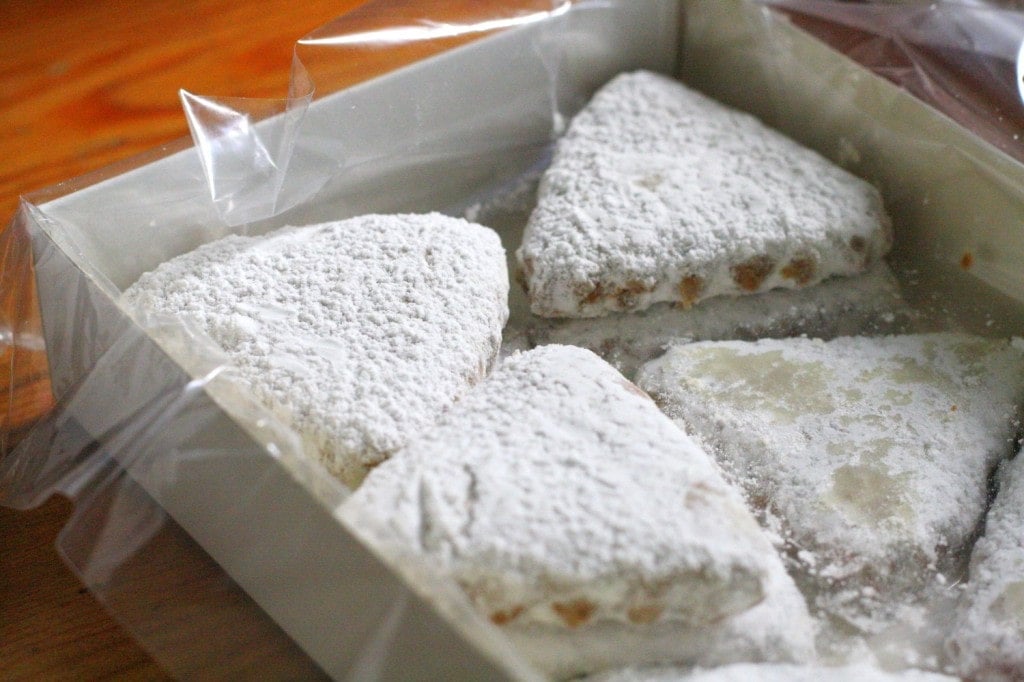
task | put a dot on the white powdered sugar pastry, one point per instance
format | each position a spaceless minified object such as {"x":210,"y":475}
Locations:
{"x":583,"y":522}
{"x":840,"y":306}
{"x":770,"y":672}
{"x":874,"y":453}
{"x":658,"y":193}
{"x":357,"y":333}
{"x":987,"y":642}
{"x":777,"y":629}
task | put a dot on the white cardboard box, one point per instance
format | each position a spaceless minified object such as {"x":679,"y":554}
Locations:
{"x":235,"y":482}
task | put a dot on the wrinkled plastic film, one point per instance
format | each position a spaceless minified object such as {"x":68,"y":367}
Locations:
{"x":373,"y":39}
{"x":263,"y":157}
{"x":159,"y":584}
{"x":960,"y":56}
{"x":144,"y":424}
{"x":169,"y":579}
{"x":24,"y":379}
{"x":245,"y":156}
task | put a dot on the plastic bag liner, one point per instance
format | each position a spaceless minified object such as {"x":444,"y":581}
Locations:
{"x":964,"y":57}
{"x":176,"y":473}
{"x":262,"y":157}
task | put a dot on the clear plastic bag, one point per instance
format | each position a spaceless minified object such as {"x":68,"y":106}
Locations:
{"x":151,"y":434}
{"x":263,"y":157}
{"x":963,"y":57}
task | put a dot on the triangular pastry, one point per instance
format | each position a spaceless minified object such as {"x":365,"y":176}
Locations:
{"x":580,"y":519}
{"x":357,"y":333}
{"x":658,"y":193}
{"x":874,"y":453}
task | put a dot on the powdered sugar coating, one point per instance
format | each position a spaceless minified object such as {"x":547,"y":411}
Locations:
{"x":559,"y":497}
{"x":779,"y":629}
{"x":358,"y":333}
{"x":874,"y":452}
{"x":755,"y":635}
{"x":987,"y":642}
{"x":868,"y":303}
{"x":745,"y":672}
{"x":658,"y":193}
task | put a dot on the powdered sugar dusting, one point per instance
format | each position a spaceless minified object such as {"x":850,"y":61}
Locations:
{"x":746,"y":672}
{"x":558,"y":496}
{"x":658,"y":193}
{"x":874,"y":452}
{"x":988,"y":639}
{"x":753,"y":635}
{"x":358,"y":333}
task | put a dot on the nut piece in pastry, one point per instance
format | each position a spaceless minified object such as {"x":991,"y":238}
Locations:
{"x":840,"y":306}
